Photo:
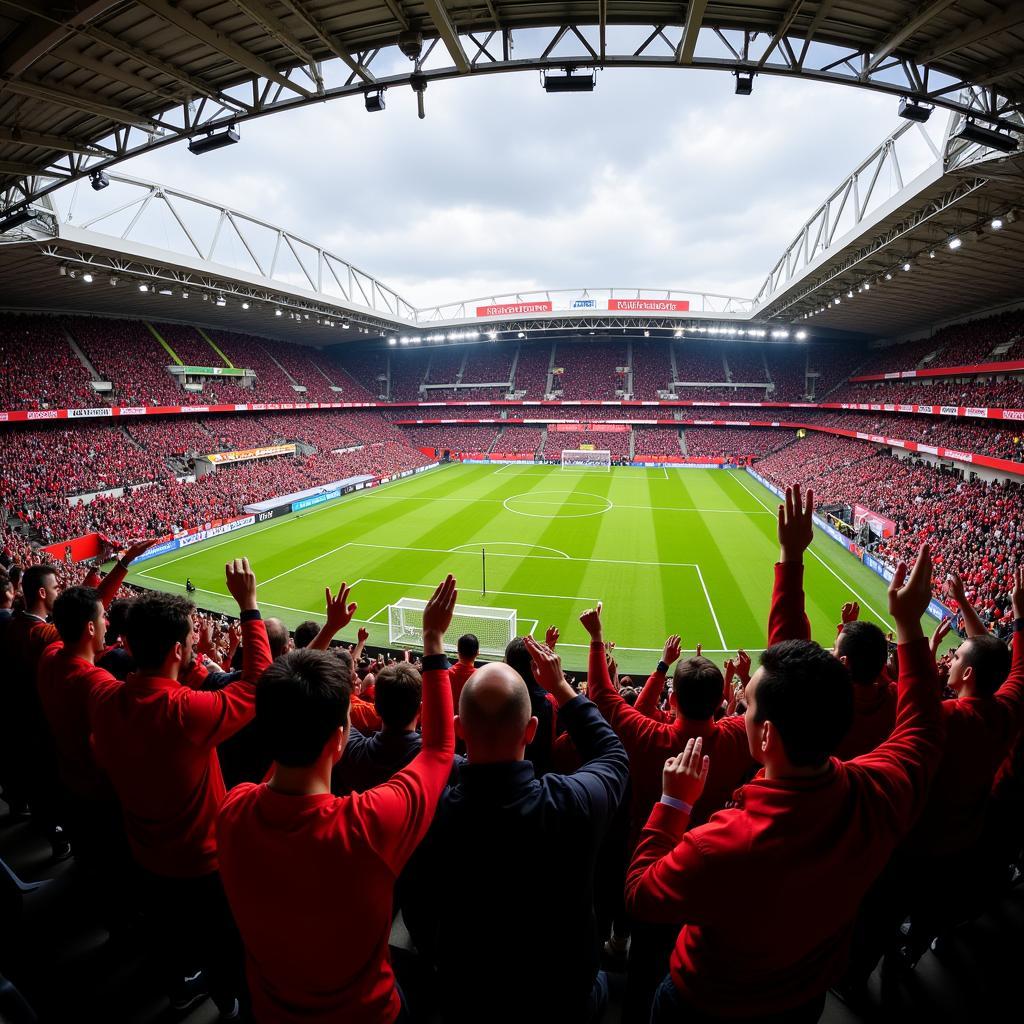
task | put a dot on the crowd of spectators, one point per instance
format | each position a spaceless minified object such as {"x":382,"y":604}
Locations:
{"x":519,"y":439}
{"x":746,"y":362}
{"x":726,"y":442}
{"x":980,"y":392}
{"x":558,"y":441}
{"x":699,"y":361}
{"x":38,"y":369}
{"x":408,"y":369}
{"x":532,"y":369}
{"x":975,"y":342}
{"x":489,"y":364}
{"x":652,"y":368}
{"x":656,"y":441}
{"x":445,"y":363}
{"x":589,"y":369}
{"x":456,"y":439}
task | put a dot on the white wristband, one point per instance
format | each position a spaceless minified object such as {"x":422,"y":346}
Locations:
{"x":679,"y":805}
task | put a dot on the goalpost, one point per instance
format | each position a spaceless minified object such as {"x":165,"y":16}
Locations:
{"x":493,"y":627}
{"x":587,"y":459}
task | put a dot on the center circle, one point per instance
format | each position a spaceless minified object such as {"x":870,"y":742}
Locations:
{"x":565,"y":512}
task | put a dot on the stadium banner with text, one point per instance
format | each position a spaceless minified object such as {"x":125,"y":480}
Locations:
{"x":649,"y":305}
{"x":216,"y":530}
{"x":514,"y":308}
{"x":945,"y":371}
{"x":247,"y":454}
{"x":599,"y":427}
{"x":210,"y":371}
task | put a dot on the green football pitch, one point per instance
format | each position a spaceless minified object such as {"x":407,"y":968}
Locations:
{"x":668,"y":551}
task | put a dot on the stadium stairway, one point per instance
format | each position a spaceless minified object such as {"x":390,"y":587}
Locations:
{"x":62,"y":959}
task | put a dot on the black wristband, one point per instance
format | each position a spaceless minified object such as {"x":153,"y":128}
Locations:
{"x":662,"y":668}
{"x":435,"y":662}
{"x":251,"y":615}
{"x":1018,"y":625}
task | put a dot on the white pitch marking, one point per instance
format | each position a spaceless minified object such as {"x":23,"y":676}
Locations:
{"x":505,"y":543}
{"x":513,"y":593}
{"x":704,"y":587}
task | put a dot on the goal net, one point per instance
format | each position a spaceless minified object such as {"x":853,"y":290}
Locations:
{"x":493,"y":627}
{"x":587,"y":459}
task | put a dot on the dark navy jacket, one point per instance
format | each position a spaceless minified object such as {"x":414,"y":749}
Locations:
{"x":502,"y":887}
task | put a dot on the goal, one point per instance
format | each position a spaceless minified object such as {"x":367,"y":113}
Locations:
{"x":587,"y":459}
{"x":493,"y":627}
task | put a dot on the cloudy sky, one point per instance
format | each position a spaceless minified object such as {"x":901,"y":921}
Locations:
{"x":657,"y":179}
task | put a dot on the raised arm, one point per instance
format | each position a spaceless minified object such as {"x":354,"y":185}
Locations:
{"x":339,"y":615}
{"x":219,"y":714}
{"x":397,"y":814}
{"x":1011,"y":694}
{"x":973,"y":625}
{"x":904,"y":764}
{"x":630,"y":725}
{"x":787,"y":619}
{"x":668,"y":877}
{"x":111,"y":583}
{"x":648,"y":698}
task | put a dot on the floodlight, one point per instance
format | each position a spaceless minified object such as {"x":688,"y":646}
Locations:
{"x":214,"y":140}
{"x":143,"y":287}
{"x":98,"y":180}
{"x":955,"y":243}
{"x":87,"y":278}
{"x":375,"y":101}
{"x":996,"y":224}
{"x":911,"y":110}
{"x":971,"y":131}
{"x":744,"y":83}
{"x":569,"y":82}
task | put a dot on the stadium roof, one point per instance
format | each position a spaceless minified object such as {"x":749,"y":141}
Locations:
{"x":85,"y":85}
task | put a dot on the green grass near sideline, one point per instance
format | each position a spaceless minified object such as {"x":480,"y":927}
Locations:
{"x":666,"y":550}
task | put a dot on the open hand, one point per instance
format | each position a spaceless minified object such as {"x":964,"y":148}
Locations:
{"x":684,"y":775}
{"x":339,"y":612}
{"x":241,"y":581}
{"x":796,"y":524}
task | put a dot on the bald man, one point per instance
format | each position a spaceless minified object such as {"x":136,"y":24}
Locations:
{"x":503,"y":899}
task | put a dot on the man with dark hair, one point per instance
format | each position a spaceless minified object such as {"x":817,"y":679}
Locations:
{"x":6,"y":598}
{"x":504,"y":896}
{"x":862,"y":648}
{"x":305,"y":632}
{"x":156,"y":739}
{"x":372,"y":759}
{"x":116,"y":658}
{"x":542,"y":706}
{"x":808,"y":823}
{"x":310,"y":875}
{"x":24,"y":734}
{"x":468,"y":648}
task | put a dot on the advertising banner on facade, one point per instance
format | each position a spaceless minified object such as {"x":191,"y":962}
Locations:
{"x":649,"y":305}
{"x":513,"y":308}
{"x":245,"y":454}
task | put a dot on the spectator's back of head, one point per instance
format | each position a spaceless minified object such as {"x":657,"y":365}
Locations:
{"x":156,"y":622}
{"x":517,"y":656}
{"x":117,"y":618}
{"x":864,"y":648}
{"x":806,"y":693}
{"x":73,"y":610}
{"x":6,"y":591}
{"x":494,"y":714}
{"x":39,"y":585}
{"x":305,"y":633}
{"x":988,"y":660}
{"x":468,"y":647}
{"x":698,"y":687}
{"x":397,"y":695}
{"x":277,"y":637}
{"x":301,"y":701}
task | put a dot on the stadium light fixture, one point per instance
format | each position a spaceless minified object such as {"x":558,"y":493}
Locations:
{"x":744,"y":83}
{"x":113,"y":281}
{"x":955,"y":243}
{"x":971,"y":131}
{"x":98,"y":180}
{"x":392,"y":341}
{"x":245,"y":305}
{"x":569,"y":82}
{"x":867,"y":286}
{"x":221,"y":301}
{"x":997,"y":224}
{"x":911,"y":110}
{"x":375,"y":101}
{"x":521,"y":335}
{"x":87,"y":277}
{"x":214,"y":140}
{"x":849,"y":294}
{"x":278,"y":311}
{"x":906,"y":266}
{"x":143,"y":287}
{"x":345,"y":325}
{"x":888,"y":276}
{"x":493,"y":335}
{"x":801,"y":335}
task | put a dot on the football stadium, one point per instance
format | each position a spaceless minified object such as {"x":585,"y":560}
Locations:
{"x":563,"y":652}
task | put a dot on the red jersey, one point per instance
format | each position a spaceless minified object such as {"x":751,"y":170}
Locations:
{"x":156,"y":739}
{"x":459,"y":673}
{"x":814,"y":846}
{"x":310,"y":880}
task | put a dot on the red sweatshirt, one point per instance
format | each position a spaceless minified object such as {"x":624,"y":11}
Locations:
{"x":649,"y":743}
{"x":874,"y":716}
{"x":805,"y":851}
{"x":980,"y":732}
{"x":157,"y":742}
{"x":363,"y":715}
{"x":67,"y":684}
{"x":310,"y":880}
{"x":459,"y":673}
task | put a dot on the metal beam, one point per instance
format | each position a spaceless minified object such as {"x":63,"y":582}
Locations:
{"x":76,"y":101}
{"x":14,"y":167}
{"x":972,"y":33}
{"x":787,"y":20}
{"x":902,"y":34}
{"x":328,"y":40}
{"x":48,"y":30}
{"x":106,"y":69}
{"x":221,"y":43}
{"x":691,"y":29}
{"x":272,"y":24}
{"x":34,"y":140}
{"x":438,"y":14}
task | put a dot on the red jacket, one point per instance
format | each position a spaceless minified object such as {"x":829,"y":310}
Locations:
{"x":310,"y":880}
{"x":647,"y":699}
{"x":980,"y":732}
{"x":157,"y":742}
{"x":874,"y":716}
{"x":459,"y":673}
{"x":67,"y":684}
{"x":649,"y":743}
{"x":769,"y":889}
